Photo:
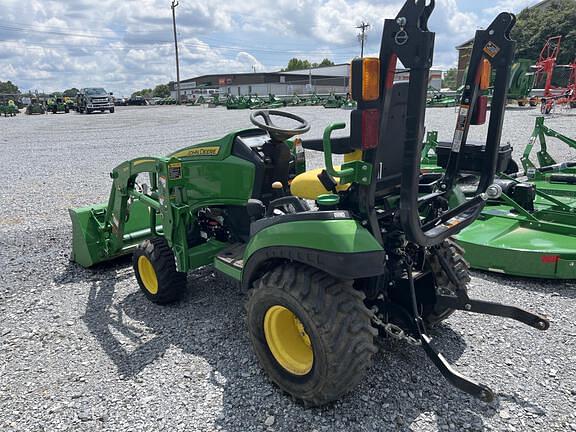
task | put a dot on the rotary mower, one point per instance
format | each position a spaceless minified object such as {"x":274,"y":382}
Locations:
{"x":233,"y":102}
{"x":323,"y":284}
{"x":294,"y":101}
{"x":273,"y":102}
{"x":437,"y":99}
{"x":333,"y":101}
{"x":533,"y":218}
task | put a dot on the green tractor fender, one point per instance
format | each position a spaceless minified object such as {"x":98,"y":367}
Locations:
{"x":331,"y":241}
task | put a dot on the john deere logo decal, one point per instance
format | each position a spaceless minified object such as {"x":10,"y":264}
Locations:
{"x":198,"y":151}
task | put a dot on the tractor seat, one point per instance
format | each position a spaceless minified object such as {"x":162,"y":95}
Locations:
{"x":308,"y":186}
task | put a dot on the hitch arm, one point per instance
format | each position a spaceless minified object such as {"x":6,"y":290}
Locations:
{"x":454,"y":377}
{"x":495,"y":309}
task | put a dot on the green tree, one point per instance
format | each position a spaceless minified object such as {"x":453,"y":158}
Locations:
{"x":8,"y":87}
{"x":71,"y":92}
{"x":143,"y":92}
{"x":325,"y":62}
{"x":449,"y":80}
{"x":161,"y":90}
{"x":534,"y":26}
{"x":299,"y":64}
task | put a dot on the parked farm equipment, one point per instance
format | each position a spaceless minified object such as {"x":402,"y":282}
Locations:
{"x":9,"y":108}
{"x":438,"y":99}
{"x":333,"y":101}
{"x":56,"y":105}
{"x":323,"y":285}
{"x":521,"y":82}
{"x":36,"y":106}
{"x":532,"y":217}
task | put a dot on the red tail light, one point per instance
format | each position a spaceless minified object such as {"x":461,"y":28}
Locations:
{"x":549,"y":259}
{"x":480,"y":110}
{"x":370,"y":128}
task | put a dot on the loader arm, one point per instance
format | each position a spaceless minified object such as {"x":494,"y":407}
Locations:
{"x":165,"y":174}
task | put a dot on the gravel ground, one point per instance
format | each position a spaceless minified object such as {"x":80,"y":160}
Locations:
{"x":82,"y":350}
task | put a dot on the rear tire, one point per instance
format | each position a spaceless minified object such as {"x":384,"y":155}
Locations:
{"x":452,"y":252}
{"x":311,"y":332}
{"x":155,"y":269}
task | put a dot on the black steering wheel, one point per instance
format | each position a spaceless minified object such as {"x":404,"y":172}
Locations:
{"x":277,"y":133}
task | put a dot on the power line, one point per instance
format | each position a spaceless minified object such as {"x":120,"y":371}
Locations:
{"x":304,"y":50}
{"x":362,"y":36}
{"x":173,"y":6}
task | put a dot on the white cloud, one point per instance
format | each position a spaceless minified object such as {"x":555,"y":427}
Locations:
{"x":124,"y":46}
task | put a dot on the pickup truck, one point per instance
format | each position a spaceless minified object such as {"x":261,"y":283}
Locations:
{"x":92,"y":99}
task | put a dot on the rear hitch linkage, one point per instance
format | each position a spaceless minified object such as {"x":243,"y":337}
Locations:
{"x":461,"y":301}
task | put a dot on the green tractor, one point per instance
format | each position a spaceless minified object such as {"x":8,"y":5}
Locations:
{"x":36,"y":106}
{"x":70,"y":103}
{"x":9,"y":109}
{"x":325,"y":284}
{"x":521,"y":82}
{"x":57,"y":105}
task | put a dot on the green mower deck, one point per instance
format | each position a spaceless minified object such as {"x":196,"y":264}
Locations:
{"x":531,"y":236}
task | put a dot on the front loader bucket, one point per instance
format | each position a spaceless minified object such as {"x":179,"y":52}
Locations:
{"x":89,"y":245}
{"x":87,"y":239}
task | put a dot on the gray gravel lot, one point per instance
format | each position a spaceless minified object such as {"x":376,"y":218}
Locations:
{"x":82,"y":350}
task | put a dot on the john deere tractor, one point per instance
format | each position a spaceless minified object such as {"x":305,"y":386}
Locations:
{"x":36,"y":106}
{"x":9,"y":108}
{"x":372,"y":259}
{"x":57,"y":105}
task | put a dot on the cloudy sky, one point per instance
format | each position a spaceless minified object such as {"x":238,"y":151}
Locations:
{"x":127,"y":45}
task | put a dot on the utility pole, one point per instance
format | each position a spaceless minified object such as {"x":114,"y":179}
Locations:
{"x":362,"y":36}
{"x":174,"y":4}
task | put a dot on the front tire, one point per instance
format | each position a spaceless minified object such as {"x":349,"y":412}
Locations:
{"x":111,"y":110}
{"x":311,"y":332}
{"x":155,"y":269}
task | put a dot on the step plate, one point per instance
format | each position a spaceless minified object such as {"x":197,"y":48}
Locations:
{"x":233,"y":255}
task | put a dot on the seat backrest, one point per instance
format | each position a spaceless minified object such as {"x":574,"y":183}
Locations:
{"x":392,"y":139}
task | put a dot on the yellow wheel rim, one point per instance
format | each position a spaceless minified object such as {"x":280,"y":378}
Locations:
{"x":288,"y":341}
{"x":147,"y":274}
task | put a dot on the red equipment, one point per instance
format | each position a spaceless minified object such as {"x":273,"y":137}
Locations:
{"x":545,"y":66}
{"x":547,"y":62}
{"x":571,"y":89}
